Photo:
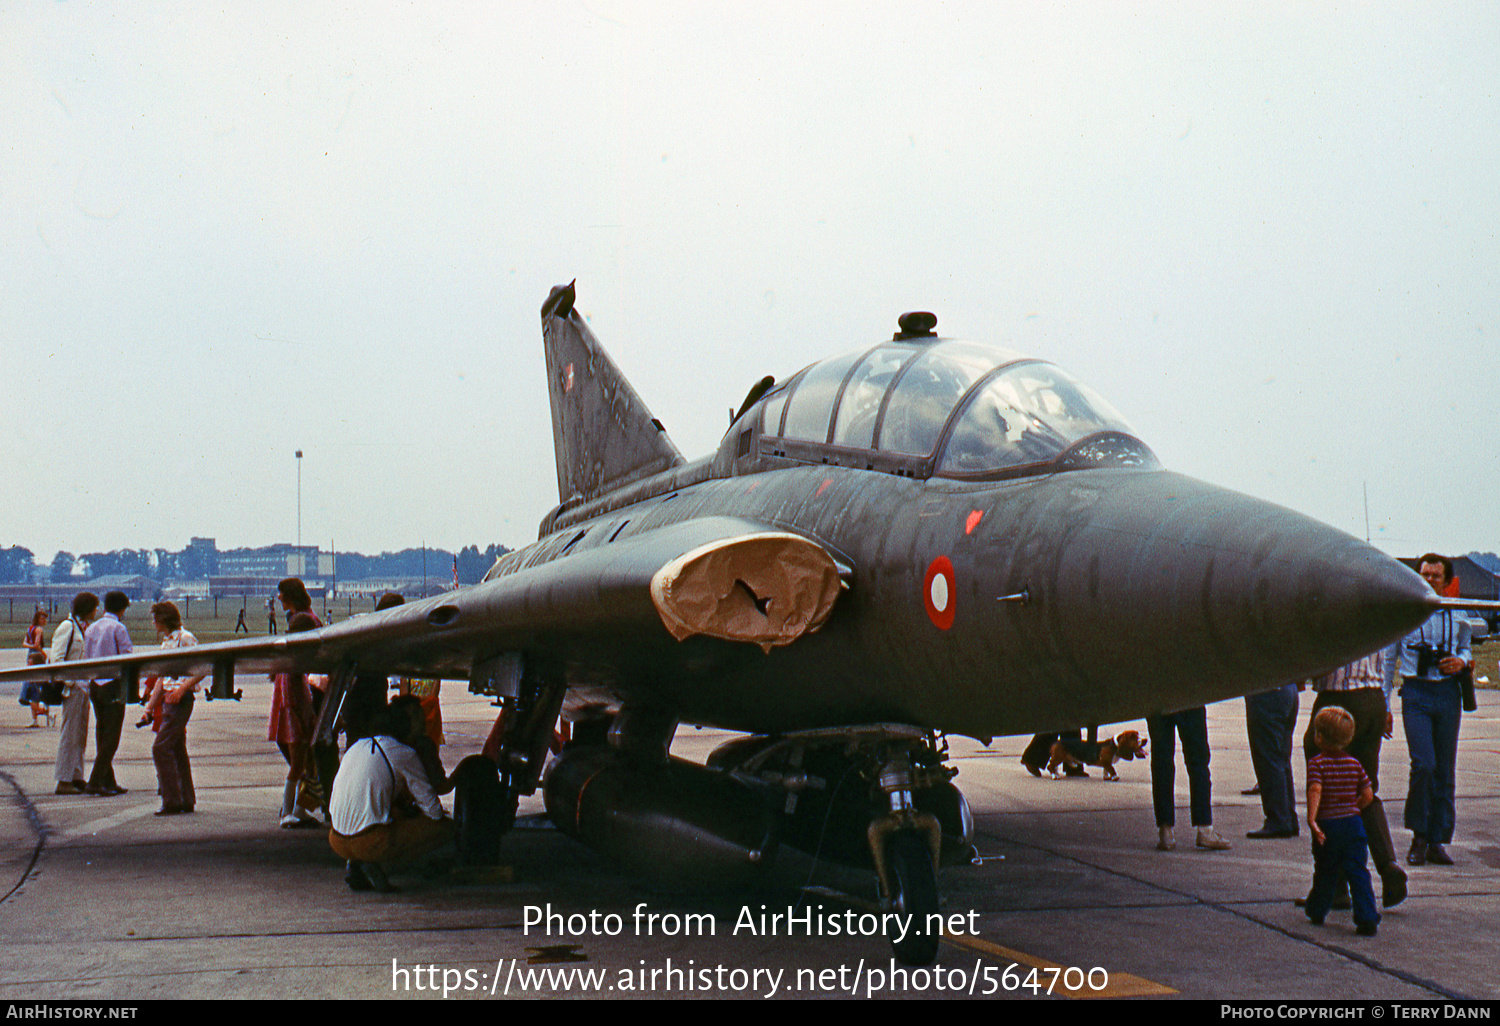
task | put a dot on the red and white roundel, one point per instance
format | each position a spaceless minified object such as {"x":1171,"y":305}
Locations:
{"x":939,"y":592}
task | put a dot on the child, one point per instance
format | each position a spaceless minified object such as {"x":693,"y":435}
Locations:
{"x":1337,"y":789}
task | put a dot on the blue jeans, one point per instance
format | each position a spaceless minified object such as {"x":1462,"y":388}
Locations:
{"x":1430,"y":712}
{"x":1270,"y":720}
{"x":1192,"y":726}
{"x":1344,"y":850}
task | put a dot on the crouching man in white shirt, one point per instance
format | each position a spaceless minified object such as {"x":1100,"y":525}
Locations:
{"x":383,"y":809}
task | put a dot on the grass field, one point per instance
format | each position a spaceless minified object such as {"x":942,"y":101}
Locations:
{"x":1486,"y":656}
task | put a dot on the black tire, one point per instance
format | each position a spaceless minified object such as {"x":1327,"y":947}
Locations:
{"x":483,"y":811}
{"x":915,"y":893}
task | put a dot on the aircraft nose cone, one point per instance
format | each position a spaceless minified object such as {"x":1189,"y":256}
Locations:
{"x":1196,"y":593}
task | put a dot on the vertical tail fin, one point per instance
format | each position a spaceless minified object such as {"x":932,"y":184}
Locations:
{"x":602,"y":434}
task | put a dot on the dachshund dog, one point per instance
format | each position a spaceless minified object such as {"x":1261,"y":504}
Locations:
{"x":1101,"y":753}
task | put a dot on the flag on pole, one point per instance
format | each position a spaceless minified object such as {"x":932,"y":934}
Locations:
{"x":455,"y":570}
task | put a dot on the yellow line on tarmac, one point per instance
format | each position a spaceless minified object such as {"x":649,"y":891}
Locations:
{"x":1120,"y":984}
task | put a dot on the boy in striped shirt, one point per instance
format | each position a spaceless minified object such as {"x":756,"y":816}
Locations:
{"x":1337,"y":789}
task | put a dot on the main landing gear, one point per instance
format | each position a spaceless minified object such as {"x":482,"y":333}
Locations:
{"x":487,"y":790}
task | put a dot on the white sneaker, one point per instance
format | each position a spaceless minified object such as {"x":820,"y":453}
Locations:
{"x":1164,"y":839}
{"x":1209,"y":838}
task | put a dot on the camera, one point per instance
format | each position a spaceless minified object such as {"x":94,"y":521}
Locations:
{"x":1428,"y":656}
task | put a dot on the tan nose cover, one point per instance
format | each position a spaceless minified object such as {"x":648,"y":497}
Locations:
{"x":769,"y":588}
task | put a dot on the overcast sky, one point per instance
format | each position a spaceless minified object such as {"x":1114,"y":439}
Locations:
{"x":1267,"y":233}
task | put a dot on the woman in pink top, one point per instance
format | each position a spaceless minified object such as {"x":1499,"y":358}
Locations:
{"x":36,"y":654}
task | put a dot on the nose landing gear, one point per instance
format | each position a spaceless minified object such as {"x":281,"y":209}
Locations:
{"x":905,"y":844}
{"x":914,"y":892}
{"x":870,"y":795}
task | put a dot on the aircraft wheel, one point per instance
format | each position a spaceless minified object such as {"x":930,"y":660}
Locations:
{"x":483,"y":810}
{"x":914,"y":882}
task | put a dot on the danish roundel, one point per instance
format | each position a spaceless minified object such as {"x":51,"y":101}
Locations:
{"x":939,"y":591}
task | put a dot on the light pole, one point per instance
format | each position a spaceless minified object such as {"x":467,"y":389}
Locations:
{"x":299,"y":502}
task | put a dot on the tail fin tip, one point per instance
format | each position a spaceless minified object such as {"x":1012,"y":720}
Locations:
{"x":560,"y":300}
{"x":604,"y":436}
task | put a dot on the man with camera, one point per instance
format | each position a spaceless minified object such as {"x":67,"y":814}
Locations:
{"x":1429,"y":661}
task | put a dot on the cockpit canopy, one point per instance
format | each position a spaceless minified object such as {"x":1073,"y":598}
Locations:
{"x":948,"y":407}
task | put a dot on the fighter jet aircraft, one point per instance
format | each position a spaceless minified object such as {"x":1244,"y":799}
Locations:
{"x":918,"y":537}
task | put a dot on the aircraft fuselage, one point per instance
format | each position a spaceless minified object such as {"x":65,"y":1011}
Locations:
{"x":1145,"y":591}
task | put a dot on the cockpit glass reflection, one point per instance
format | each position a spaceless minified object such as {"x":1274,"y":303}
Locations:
{"x":860,"y":407}
{"x":771,"y":412}
{"x":1029,"y":413}
{"x":1004,"y":413}
{"x":926,"y":394}
{"x":812,"y":401}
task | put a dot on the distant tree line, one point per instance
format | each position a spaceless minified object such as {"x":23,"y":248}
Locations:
{"x":17,"y":563}
{"x":157,"y":564}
